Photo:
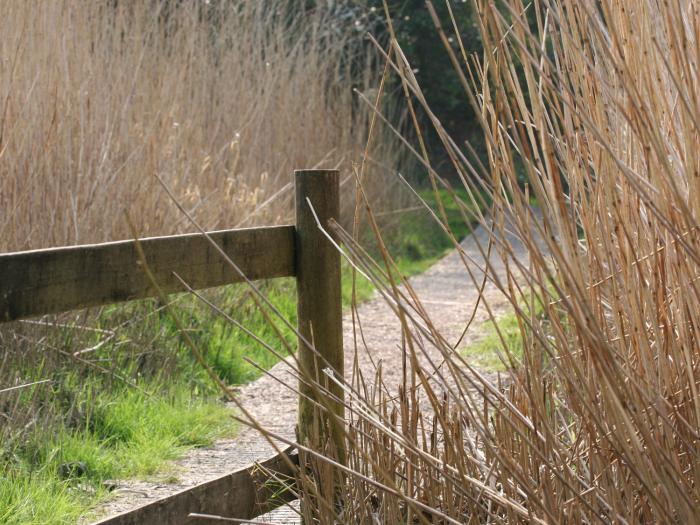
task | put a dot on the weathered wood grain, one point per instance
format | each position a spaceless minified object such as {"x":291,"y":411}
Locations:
{"x":244,"y":494}
{"x":319,"y":305}
{"x":56,"y":280}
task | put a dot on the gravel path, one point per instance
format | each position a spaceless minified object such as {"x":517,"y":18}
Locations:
{"x":447,"y":293}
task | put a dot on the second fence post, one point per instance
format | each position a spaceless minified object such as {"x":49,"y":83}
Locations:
{"x":319,"y":309}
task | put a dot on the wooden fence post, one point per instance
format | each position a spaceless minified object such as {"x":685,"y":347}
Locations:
{"x":319,"y":306}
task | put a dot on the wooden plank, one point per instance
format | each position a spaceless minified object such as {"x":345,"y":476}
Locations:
{"x":319,"y":305}
{"x":59,"y":279}
{"x":244,"y":494}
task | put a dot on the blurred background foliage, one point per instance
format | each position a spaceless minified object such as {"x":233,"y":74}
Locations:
{"x":417,"y":36}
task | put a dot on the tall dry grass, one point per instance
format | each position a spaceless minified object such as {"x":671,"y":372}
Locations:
{"x":221,"y":100}
{"x":595,"y":104}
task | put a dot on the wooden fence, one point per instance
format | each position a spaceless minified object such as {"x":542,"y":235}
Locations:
{"x":40,"y":282}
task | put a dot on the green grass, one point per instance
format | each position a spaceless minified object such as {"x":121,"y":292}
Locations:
{"x":39,"y":499}
{"x":416,"y":241}
{"x":422,"y":240}
{"x":228,"y":349}
{"x":56,"y":477}
{"x":483,"y":354}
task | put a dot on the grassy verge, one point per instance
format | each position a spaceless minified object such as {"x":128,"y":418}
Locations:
{"x":484,"y":352}
{"x":152,"y":403}
{"x":56,"y":477}
{"x":417,"y":241}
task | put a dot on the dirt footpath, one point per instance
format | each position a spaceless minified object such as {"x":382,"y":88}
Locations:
{"x":447,"y":293}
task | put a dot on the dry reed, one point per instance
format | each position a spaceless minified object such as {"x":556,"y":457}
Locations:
{"x":594,"y":104}
{"x":222,"y":100}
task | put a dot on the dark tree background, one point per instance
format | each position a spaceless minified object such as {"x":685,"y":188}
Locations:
{"x":421,"y":43}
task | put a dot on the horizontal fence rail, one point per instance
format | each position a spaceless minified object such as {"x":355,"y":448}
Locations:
{"x":56,"y":280}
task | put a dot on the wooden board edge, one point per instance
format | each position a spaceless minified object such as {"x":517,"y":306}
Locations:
{"x":244,"y":494}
